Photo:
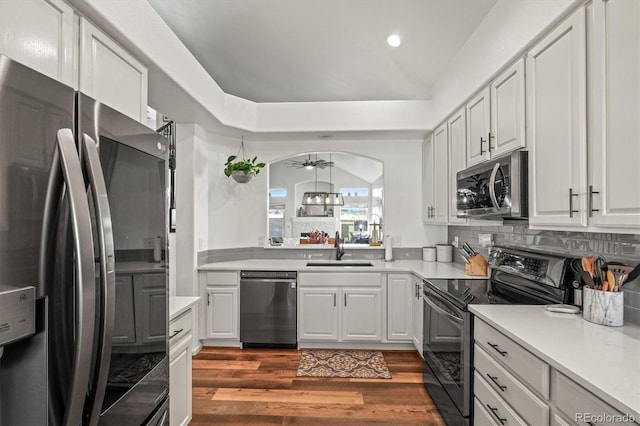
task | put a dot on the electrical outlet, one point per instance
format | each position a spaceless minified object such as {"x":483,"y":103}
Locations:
{"x":260,"y":241}
{"x":455,"y":242}
{"x":149,"y":242}
{"x":485,"y":239}
{"x":397,"y":241}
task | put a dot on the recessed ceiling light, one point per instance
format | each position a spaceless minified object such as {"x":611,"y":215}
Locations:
{"x":394,"y":40}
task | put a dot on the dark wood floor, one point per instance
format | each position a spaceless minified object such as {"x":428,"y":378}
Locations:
{"x":259,"y":386}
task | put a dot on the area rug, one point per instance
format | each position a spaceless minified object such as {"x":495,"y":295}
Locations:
{"x":343,"y":363}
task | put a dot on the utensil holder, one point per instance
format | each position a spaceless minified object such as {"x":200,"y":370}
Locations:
{"x":603,"y":307}
{"x":477,"y":265}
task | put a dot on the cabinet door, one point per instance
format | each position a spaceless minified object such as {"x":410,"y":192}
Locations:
{"x":180,"y":382}
{"x":100,"y":60}
{"x":150,"y":292}
{"x":39,"y":34}
{"x":362,"y":319}
{"x":477,"y":110}
{"x":507,"y":111}
{"x":440,"y":211}
{"x":556,"y":126}
{"x":401,"y":291}
{"x":318,"y":314}
{"x":457,"y":161}
{"x":428,"y":164}
{"x":124,"y":330}
{"x":417,"y":316}
{"x":222,"y":313}
{"x":614,"y":148}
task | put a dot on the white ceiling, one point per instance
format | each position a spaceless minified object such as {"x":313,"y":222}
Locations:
{"x":323,"y":50}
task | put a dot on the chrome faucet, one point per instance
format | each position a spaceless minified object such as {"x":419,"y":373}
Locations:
{"x":338,"y":246}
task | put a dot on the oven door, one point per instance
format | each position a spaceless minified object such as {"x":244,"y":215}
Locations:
{"x":447,"y":355}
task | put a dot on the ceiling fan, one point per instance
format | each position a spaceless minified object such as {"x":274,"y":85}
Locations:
{"x":310,"y":164}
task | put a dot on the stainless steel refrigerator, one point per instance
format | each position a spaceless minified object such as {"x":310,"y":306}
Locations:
{"x":83,"y":222}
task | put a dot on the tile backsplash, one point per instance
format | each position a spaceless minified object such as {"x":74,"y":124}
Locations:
{"x":618,"y":247}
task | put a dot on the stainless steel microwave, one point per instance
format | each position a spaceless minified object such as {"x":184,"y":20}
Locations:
{"x":496,"y":189}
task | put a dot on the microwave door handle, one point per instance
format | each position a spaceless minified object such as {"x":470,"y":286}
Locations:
{"x":442,"y":311}
{"x":85,"y":275}
{"x":107,"y":272}
{"x":492,"y":182}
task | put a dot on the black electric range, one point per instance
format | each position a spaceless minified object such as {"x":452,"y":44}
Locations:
{"x":516,"y":277}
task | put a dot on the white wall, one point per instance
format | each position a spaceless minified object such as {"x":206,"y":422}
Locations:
{"x":192,"y":188}
{"x":500,"y":37}
{"x":238,"y":212}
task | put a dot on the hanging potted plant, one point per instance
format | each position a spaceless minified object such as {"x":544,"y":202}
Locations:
{"x":242,"y":171}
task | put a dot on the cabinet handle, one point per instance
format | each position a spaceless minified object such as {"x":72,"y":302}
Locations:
{"x":208,"y":299}
{"x":571,"y":195}
{"x":345,"y":300}
{"x":591,"y":209}
{"x":495,"y":381}
{"x":494,"y":411}
{"x":489,"y":142}
{"x":481,"y":142}
{"x":497,"y":349}
{"x":175,"y":333}
{"x":334,"y":300}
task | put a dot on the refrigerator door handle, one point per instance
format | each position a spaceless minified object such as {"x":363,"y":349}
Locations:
{"x":85,"y":275}
{"x":107,"y":273}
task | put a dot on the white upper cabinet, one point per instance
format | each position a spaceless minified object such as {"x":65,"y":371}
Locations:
{"x":436,"y":177}
{"x":457,"y":160}
{"x":40,"y":35}
{"x":496,"y":117}
{"x":478,"y":110}
{"x":100,"y":60}
{"x":507,"y":111}
{"x":613,"y":193}
{"x":556,"y":126}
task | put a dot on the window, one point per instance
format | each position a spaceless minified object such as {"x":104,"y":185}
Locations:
{"x":277,"y":192}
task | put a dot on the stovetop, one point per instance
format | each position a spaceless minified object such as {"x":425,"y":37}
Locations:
{"x":516,"y":277}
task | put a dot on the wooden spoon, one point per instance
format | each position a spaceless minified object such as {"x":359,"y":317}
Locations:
{"x":611,"y":281}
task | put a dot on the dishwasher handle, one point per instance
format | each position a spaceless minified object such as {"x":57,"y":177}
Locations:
{"x":268,"y":280}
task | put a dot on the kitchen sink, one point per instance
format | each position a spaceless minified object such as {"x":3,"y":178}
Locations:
{"x":338,"y":263}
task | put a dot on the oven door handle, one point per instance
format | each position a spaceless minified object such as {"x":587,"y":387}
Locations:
{"x":442,"y":311}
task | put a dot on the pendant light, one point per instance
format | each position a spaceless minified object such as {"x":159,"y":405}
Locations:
{"x":322,"y":198}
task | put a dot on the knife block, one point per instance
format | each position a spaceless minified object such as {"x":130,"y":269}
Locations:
{"x":477,"y":265}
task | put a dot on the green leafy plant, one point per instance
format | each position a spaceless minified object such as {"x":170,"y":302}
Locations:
{"x":248,"y":167}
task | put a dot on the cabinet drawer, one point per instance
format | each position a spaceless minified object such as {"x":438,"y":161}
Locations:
{"x":577,"y":403}
{"x":333,"y":279}
{"x":481,"y":416}
{"x":531,"y":408}
{"x":180,"y":327}
{"x":496,"y":407}
{"x":527,"y":366}
{"x":222,"y":278}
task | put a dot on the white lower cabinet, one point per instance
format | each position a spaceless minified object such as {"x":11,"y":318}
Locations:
{"x":220,"y":310}
{"x":513,"y":386}
{"x":362,"y":314}
{"x":180,"y":349}
{"x":401,"y":292}
{"x":418,"y":321}
{"x":510,"y":383}
{"x":318,"y":314}
{"x":580,"y":405}
{"x":340,"y":307}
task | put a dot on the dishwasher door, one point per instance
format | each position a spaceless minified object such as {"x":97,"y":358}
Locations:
{"x":268,"y":309}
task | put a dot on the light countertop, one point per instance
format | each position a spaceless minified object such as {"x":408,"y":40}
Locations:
{"x":604,"y":360}
{"x":433,"y":270}
{"x":179,"y":304}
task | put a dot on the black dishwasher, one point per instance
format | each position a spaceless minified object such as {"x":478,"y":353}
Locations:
{"x":268,"y":309}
